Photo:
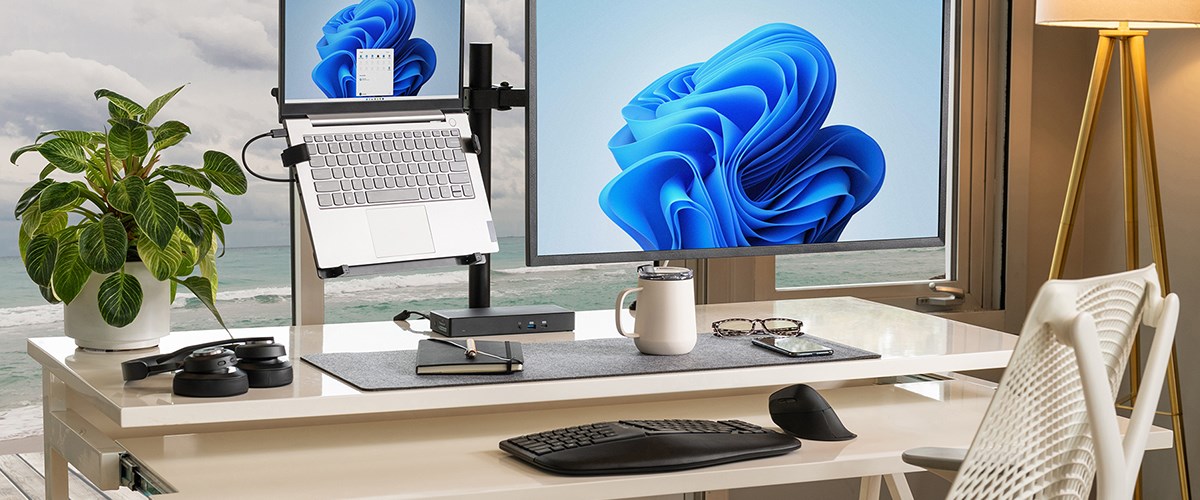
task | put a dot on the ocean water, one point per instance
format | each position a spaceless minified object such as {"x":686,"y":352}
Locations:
{"x":254,"y":290}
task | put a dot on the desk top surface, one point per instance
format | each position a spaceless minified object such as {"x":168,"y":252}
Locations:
{"x":909,"y":343}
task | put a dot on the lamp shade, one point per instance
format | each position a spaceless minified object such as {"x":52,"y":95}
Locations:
{"x":1140,"y":14}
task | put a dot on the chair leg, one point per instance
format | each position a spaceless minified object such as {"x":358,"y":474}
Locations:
{"x":869,"y":488}
{"x":897,"y":486}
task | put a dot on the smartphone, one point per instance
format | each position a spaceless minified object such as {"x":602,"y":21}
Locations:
{"x":796,"y":347}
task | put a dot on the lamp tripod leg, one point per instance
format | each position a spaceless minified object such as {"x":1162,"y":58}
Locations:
{"x":1137,"y":51}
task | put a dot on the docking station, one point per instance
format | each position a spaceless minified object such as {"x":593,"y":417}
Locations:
{"x":501,"y":320}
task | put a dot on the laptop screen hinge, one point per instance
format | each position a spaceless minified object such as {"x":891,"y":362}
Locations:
{"x":375,"y":118}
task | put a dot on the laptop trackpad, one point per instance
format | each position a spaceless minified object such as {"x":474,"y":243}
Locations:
{"x":400,"y":231}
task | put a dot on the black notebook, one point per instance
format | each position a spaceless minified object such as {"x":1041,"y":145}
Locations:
{"x":439,"y":356}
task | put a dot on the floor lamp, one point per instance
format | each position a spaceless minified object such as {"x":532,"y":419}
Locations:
{"x":1122,"y":25}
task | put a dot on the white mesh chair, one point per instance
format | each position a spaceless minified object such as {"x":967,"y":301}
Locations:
{"x":1052,"y":424}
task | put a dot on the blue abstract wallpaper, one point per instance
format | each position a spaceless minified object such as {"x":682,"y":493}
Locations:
{"x":373,"y":24}
{"x":734,"y":151}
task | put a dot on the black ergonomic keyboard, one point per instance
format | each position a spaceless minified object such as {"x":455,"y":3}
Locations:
{"x":640,"y":446}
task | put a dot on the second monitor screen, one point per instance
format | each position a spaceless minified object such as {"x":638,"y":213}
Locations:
{"x":684,"y":124}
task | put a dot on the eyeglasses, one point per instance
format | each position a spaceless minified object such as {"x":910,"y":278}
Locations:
{"x":736,"y":327}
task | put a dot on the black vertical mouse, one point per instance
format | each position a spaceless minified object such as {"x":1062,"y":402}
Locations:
{"x":802,"y":412}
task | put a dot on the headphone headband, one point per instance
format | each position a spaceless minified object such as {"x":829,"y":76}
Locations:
{"x":140,"y":368}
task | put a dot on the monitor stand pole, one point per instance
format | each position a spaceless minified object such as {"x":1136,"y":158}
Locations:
{"x":482,"y":99}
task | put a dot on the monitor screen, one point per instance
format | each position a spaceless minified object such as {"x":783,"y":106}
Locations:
{"x":701,"y":128}
{"x":368,"y":52}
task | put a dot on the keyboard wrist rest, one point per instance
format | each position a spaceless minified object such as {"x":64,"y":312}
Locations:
{"x":665,"y":452}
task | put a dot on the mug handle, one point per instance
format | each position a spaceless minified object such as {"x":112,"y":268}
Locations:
{"x":620,"y":299}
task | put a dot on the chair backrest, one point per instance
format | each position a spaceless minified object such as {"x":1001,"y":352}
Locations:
{"x":1052,"y":422}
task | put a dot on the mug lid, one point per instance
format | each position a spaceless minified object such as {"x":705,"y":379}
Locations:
{"x":664,"y":273}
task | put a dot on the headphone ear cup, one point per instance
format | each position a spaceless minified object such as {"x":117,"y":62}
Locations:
{"x":265,"y":363}
{"x":210,"y":372}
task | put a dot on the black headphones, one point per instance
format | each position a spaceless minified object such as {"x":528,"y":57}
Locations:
{"x":217,"y":369}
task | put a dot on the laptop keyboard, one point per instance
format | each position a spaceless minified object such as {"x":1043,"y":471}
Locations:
{"x":373,"y":168}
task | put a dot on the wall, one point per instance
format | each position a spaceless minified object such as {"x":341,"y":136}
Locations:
{"x":1062,"y":59}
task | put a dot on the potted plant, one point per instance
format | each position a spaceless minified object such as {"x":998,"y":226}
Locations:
{"x":115,"y":242}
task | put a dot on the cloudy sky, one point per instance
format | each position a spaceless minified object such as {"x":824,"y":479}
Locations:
{"x":55,"y":53}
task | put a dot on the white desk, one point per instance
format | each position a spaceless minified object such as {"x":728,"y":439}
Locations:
{"x":196,"y":445}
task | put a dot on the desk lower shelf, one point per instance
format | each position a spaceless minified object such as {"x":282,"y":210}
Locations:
{"x":431,"y":457}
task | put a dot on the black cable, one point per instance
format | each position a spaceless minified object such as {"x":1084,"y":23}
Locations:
{"x":405,"y":314}
{"x":246,"y":165}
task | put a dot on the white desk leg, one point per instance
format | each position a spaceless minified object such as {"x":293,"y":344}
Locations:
{"x":869,"y":488}
{"x":53,"y":398}
{"x":897,"y":486}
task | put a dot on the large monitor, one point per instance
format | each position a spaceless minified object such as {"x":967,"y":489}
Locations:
{"x":707,"y":128}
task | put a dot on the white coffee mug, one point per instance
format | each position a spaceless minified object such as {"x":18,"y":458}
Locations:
{"x":665,"y":323}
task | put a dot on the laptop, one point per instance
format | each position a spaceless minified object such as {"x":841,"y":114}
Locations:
{"x":373,"y":89}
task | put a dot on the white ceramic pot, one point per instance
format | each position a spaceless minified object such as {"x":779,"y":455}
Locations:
{"x":82,"y":321}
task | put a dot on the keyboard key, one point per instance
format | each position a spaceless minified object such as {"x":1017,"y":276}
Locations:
{"x":358,"y":137}
{"x":389,"y":182}
{"x":454,"y":132}
{"x":408,"y":133}
{"x":456,"y":190}
{"x":392,"y":195}
{"x":325,"y":200}
{"x":458,"y":166}
{"x":327,"y":186}
{"x":441,"y":179}
{"x":338,"y":200}
{"x":308,"y":138}
{"x":431,"y":179}
{"x":349,"y":171}
{"x":320,"y":174}
{"x":352,"y":159}
{"x":397,"y":158}
{"x":434,"y":193}
{"x":406,"y":157}
{"x":459,"y":156}
{"x":393,"y":170}
{"x":424,"y":193}
{"x":360,"y":171}
{"x":376,"y":145}
{"x":437,"y":155}
{"x":445,"y":191}
{"x":467,"y":191}
{"x":322,"y":148}
{"x":462,"y":178}
{"x":387,"y":146}
{"x":317,"y":161}
{"x":357,"y":184}
{"x":337,"y":173}
{"x":378,"y":183}
{"x":347,"y":185}
{"x":439,"y":143}
{"x":312,"y":149}
{"x":365,"y":159}
{"x":344,"y":148}
{"x":360,"y":197}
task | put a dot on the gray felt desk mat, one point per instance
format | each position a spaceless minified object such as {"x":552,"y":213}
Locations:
{"x":384,"y":370}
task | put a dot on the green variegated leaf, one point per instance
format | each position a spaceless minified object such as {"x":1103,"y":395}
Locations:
{"x":76,"y":136}
{"x":203,"y":289}
{"x":186,"y":175}
{"x":212,"y":224}
{"x":224,"y":172}
{"x":31,"y":220}
{"x":223,"y":213}
{"x":191,"y":225}
{"x":59,"y":196}
{"x":126,"y":105}
{"x":65,"y":155}
{"x":126,"y":194}
{"x":103,"y":245}
{"x":22,"y":150}
{"x":96,"y":172}
{"x":128,"y":140}
{"x":157,"y":104}
{"x":46,"y":171}
{"x":120,"y":299}
{"x":53,"y":224}
{"x":30,"y":196}
{"x":70,"y":273}
{"x":174,"y":288}
{"x":157,"y":213}
{"x":169,"y":134}
{"x":48,"y":294}
{"x":39,"y":258}
{"x":208,"y":265}
{"x":188,"y":255}
{"x":161,"y":261}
